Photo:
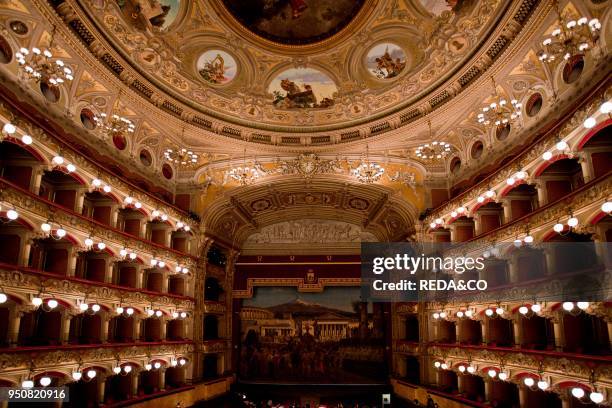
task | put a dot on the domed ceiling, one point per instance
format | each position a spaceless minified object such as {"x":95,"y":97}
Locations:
{"x":297,"y":66}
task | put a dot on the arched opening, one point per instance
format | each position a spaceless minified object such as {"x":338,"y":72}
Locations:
{"x":530,"y":264}
{"x":41,"y":327}
{"x":210,"y":365}
{"x":6,"y":53}
{"x":131,"y":221}
{"x":490,"y":217}
{"x":561,"y":178}
{"x":85,"y":392}
{"x":455,"y":165}
{"x":496,"y":272}
{"x":538,"y":399}
{"x":100,"y":207}
{"x":573,"y":68}
{"x":413,"y":370}
{"x":473,"y":387}
{"x":17,"y":164}
{"x":572,"y":252}
{"x":61,"y":188}
{"x":534,"y":104}
{"x":180,"y":240}
{"x":537,"y":332}
{"x":52,"y":255}
{"x":502,"y":132}
{"x":599,"y":150}
{"x":215,"y":256}
{"x":585,"y":334}
{"x":176,"y":285}
{"x":504,"y":394}
{"x":94,"y":266}
{"x":121,"y":329}
{"x":87,"y":119}
{"x":118,"y":387}
{"x":448,"y":381}
{"x":500,"y":332}
{"x":211,"y":327}
{"x":13,"y":236}
{"x":446,"y":332}
{"x":160,"y":232}
{"x":50,"y":92}
{"x":521,"y":200}
{"x":469,"y":332}
{"x":212,"y":290}
{"x":175,"y":377}
{"x":128,"y":274}
{"x":154,"y":279}
{"x":151,"y":329}
{"x":175,"y":330}
{"x":149,"y":381}
{"x":462,"y":229}
{"x":85,"y":328}
{"x":412,"y":328}
{"x":477,"y":150}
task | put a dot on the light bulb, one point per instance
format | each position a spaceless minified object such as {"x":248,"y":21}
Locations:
{"x":12,"y":215}
{"x":3,"y":298}
{"x":45,"y":227}
{"x":129,"y":311}
{"x":128,"y":200}
{"x":185,"y":270}
{"x":179,"y":224}
{"x":469,"y":313}
{"x":572,"y":222}
{"x":26,"y":139}
{"x":116,"y":370}
{"x":596,"y":397}
{"x":607,"y":207}
{"x":76,"y":375}
{"x":489,"y":312}
{"x":27,"y":384}
{"x":187,"y":228}
{"x":521,"y":175}
{"x":510,"y":181}
{"x":562,"y":145}
{"x":578,"y":392}
{"x":568,"y":306}
{"x":436,"y":315}
{"x":107,"y":189}
{"x":36,"y":301}
{"x":164,"y":217}
{"x":91,"y":373}
{"x":101,"y":246}
{"x":9,"y":128}
{"x":119,"y":310}
{"x":175,"y":315}
{"x":536,"y":308}
{"x":433,"y":225}
{"x":503,"y":376}
{"x":183,"y":314}
{"x":71,"y":168}
{"x":58,"y":160}
{"x":443,"y":315}
{"x":173,"y":363}
{"x":558,"y":227}
{"x":153,"y":262}
{"x":606,"y":107}
{"x":158,"y":313}
{"x":460,"y":314}
{"x":52,"y":303}
{"x":582,"y":305}
{"x":523,"y":310}
{"x":127,"y":368}
{"x":89,"y":242}
{"x":471,"y":369}
{"x":45,"y":381}
{"x":543,"y":385}
{"x":492,"y":373}
{"x":182,"y":361}
{"x":529,"y":381}
{"x":528,"y":239}
{"x":454,"y":214}
{"x":590,"y":122}
{"x":444,"y":366}
{"x":461,"y":210}
{"x":157,"y":364}
{"x":462,"y":368}
{"x":148,"y":367}
{"x":138,"y":204}
{"x":83,"y":307}
{"x":437,"y":364}
{"x":547,"y":155}
{"x":133,"y":256}
{"x":150,"y":312}
{"x":490,"y":193}
{"x":96,"y":182}
{"x":95,"y":308}
{"x":123,"y":252}
{"x":60,"y":232}
{"x":499,"y":311}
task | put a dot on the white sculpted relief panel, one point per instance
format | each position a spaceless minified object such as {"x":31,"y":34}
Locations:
{"x":310,"y":231}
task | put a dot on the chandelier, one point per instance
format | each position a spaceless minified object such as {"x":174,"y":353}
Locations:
{"x":499,"y":112}
{"x":36,"y":64}
{"x":570,"y":37}
{"x":368,"y":172}
{"x":181,"y":157}
{"x":114,"y":123}
{"x":244,"y":174}
{"x":434,"y":150}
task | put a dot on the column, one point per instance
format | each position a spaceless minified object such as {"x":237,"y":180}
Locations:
{"x":80,"y":199}
{"x":507,"y":210}
{"x":551,"y":260}
{"x":587,"y":166}
{"x":559,"y":332}
{"x":458,"y":331}
{"x":135,"y":383}
{"x":24,"y":256}
{"x":101,"y":389}
{"x":513,"y":270}
{"x":13,"y":328}
{"x":162,"y":378}
{"x":72,"y":261}
{"x":540,"y":186}
{"x":114,"y":216}
{"x":484,"y":326}
{"x":460,"y":384}
{"x":139,"y":277}
{"x":522,"y":395}
{"x":163,"y":328}
{"x":37,"y":174}
{"x":518,"y":332}
{"x":67,"y":317}
{"x":108,"y":275}
{"x":453,"y":232}
{"x":137,"y":328}
{"x":104,"y":329}
{"x":488,"y":383}
{"x":477,"y":224}
{"x":610,"y":332}
{"x":165,"y":279}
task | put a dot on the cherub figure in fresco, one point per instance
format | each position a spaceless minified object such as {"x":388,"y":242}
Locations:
{"x":296,"y":97}
{"x":144,"y":13}
{"x":386,"y":67}
{"x":214,"y":70}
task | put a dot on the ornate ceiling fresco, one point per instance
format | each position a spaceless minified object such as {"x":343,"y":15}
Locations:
{"x":297,"y":101}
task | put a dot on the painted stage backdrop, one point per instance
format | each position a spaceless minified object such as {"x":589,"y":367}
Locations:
{"x":327,"y":337}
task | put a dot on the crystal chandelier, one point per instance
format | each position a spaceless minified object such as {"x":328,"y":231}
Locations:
{"x":570,"y":37}
{"x":368,"y":172}
{"x":499,"y":112}
{"x":36,"y":64}
{"x":244,"y":174}
{"x":434,"y":150}
{"x":114,"y":123}
{"x":181,"y":157}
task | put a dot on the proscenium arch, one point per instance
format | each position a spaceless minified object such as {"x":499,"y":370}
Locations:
{"x":374,"y":208}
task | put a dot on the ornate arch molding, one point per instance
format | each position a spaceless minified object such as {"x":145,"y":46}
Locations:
{"x":376,"y":209}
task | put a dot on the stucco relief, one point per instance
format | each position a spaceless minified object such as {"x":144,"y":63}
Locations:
{"x":310,"y":231}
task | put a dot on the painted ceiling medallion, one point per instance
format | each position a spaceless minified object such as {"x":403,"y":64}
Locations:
{"x":294,"y":22}
{"x":303,"y":88}
{"x":217,"y":67}
{"x":386,"y":60}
